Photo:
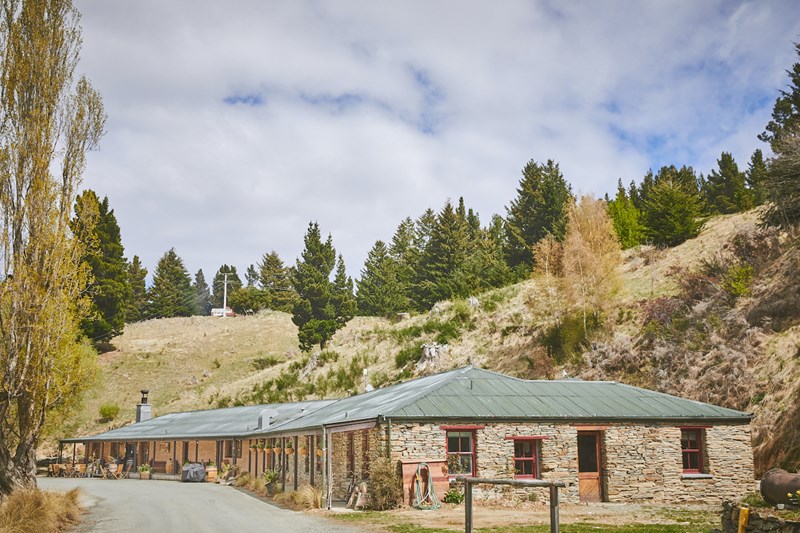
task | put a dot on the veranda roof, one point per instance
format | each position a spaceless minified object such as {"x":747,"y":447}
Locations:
{"x":208,"y":424}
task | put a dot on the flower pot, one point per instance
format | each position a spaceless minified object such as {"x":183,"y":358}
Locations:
{"x":144,"y":475}
{"x":272,"y":488}
{"x":319,"y":453}
{"x":303,"y":452}
{"x":289,"y":451}
{"x":276,"y":450}
{"x":211,"y":474}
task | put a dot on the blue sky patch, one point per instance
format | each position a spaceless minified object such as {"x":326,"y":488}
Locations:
{"x":244,"y":99}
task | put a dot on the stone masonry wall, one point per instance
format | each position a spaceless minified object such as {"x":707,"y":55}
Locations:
{"x":640,"y":462}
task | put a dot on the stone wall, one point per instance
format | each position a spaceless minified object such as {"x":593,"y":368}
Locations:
{"x":757,"y":522}
{"x":363,"y":447}
{"x":641,"y":462}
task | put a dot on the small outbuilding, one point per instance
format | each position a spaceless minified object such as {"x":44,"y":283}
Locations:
{"x":608,"y":441}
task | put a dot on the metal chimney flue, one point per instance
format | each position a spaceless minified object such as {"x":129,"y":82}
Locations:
{"x":144,"y":411}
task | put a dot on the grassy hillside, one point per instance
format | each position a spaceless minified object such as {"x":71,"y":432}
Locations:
{"x":681,"y":324}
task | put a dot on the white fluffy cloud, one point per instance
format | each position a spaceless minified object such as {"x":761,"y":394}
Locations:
{"x":234,"y":124}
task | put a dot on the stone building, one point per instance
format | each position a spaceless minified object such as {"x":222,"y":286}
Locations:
{"x":607,"y":441}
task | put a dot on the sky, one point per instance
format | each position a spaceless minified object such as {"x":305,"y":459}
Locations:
{"x":232,"y":125}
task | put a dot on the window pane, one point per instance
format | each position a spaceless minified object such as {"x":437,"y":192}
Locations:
{"x":587,"y":453}
{"x":466,"y":444}
{"x":452,"y":444}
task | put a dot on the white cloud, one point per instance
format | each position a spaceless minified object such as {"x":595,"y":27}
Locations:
{"x":367,"y":112}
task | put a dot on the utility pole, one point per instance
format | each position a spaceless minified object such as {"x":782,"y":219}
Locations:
{"x":225,"y":296}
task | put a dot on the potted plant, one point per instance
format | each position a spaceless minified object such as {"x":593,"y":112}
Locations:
{"x":271,"y":478}
{"x":289,"y":447}
{"x":211,"y":472}
{"x":277,"y":449}
{"x":303,"y":451}
{"x":320,"y":452}
{"x":144,"y":471}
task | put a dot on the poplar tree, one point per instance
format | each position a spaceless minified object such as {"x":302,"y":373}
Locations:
{"x":135,"y":306}
{"x":313,"y":312}
{"x":47,"y":124}
{"x":539,"y":209}
{"x":172,"y":293}
{"x":591,"y":257}
{"x":104,"y":255}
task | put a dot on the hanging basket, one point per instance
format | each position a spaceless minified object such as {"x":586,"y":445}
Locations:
{"x":303,"y":451}
{"x":289,"y":451}
{"x":319,"y":453}
{"x":277,"y":450}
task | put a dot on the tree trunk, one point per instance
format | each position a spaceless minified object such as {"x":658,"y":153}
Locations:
{"x":17,"y":472}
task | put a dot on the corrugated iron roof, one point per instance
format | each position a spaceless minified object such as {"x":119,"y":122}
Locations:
{"x":207,"y":424}
{"x":462,"y":394}
{"x":473,"y":393}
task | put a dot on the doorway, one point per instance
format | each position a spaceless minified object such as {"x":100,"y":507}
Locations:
{"x":590,"y":474}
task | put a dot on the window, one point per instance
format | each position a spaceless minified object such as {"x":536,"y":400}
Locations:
{"x":526,"y":458}
{"x":460,"y":453}
{"x":692,"y":450}
{"x":229,"y":448}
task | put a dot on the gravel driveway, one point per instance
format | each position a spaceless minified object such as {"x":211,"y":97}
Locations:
{"x":135,"y":506}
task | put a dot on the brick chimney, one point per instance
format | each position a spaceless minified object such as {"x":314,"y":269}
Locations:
{"x":144,"y":411}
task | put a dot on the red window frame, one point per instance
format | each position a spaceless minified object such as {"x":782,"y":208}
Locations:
{"x":519,"y":446}
{"x":459,"y":453}
{"x":689,"y":452}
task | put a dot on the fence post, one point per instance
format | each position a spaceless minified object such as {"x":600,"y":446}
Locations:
{"x":554,"y":518}
{"x":467,"y":507}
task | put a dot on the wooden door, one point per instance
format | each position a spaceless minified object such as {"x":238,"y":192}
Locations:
{"x":590,"y":486}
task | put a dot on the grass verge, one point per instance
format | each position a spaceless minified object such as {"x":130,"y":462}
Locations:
{"x":40,"y":511}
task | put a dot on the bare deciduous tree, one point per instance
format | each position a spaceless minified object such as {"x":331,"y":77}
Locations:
{"x":47,"y":124}
{"x":591,"y":257}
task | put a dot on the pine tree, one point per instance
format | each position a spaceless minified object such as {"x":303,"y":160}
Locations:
{"x":756,"y":177}
{"x":783,"y":184}
{"x":136,"y":304}
{"x":314,"y":313}
{"x":218,"y":284}
{"x":786,"y":112}
{"x":171,"y":293}
{"x":275,"y":280}
{"x":405,"y":255}
{"x":202,"y":294}
{"x":342,"y":297}
{"x":485,"y":266}
{"x":437,"y":276}
{"x":379,"y":291}
{"x":247,"y":300}
{"x":626,"y":218}
{"x":671,"y":214}
{"x":539,"y":209}
{"x":725,"y":190}
{"x":251,"y":276}
{"x":104,"y":255}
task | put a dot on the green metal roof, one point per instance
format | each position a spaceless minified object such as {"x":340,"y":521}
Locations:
{"x":473,"y":393}
{"x":464,"y":394}
{"x":208,"y":424}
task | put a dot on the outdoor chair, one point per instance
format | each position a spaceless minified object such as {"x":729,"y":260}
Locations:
{"x":80,"y":470}
{"x":66,"y":470}
{"x":119,"y":472}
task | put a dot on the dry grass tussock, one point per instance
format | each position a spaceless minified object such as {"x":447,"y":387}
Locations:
{"x":305,"y":497}
{"x":39,"y":511}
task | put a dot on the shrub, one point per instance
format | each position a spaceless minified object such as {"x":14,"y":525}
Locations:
{"x":568,"y":337}
{"x":385,"y":487}
{"x":454,"y":495}
{"x":409,"y":353}
{"x":260,"y":363}
{"x":109,"y":411}
{"x":41,"y":511}
{"x":737,"y":280}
